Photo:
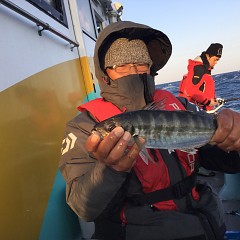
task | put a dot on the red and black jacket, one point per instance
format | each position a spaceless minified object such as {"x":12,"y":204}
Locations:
{"x":198,"y":85}
{"x":160,"y":175}
{"x":132,"y":198}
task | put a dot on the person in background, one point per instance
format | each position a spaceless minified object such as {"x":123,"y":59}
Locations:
{"x":198,"y":84}
{"x":109,"y":182}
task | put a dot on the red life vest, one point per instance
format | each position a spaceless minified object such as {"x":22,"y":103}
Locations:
{"x":153,"y":176}
{"x":192,"y":92}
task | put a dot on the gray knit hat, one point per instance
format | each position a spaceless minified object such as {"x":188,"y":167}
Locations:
{"x":123,"y":51}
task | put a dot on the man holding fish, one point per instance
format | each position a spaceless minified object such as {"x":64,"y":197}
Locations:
{"x":130,"y":158}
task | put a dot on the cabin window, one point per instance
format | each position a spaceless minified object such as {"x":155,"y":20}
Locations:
{"x":86,"y":17}
{"x":98,"y":23}
{"x":54,"y":8}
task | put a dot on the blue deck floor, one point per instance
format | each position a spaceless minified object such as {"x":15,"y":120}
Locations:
{"x":231,"y":207}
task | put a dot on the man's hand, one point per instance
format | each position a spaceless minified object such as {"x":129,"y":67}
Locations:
{"x":213,"y":102}
{"x":227,"y":135}
{"x":113,"y":150}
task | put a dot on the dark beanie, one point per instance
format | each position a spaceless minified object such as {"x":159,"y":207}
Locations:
{"x":215,"y":49}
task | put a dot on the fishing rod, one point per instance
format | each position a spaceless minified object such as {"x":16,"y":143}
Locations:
{"x":221,"y":102}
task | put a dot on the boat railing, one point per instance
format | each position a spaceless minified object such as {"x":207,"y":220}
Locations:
{"x":40,"y":23}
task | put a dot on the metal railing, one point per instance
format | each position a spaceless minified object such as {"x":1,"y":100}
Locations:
{"x":40,"y":23}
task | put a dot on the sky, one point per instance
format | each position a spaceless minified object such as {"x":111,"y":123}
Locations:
{"x":191,"y":27}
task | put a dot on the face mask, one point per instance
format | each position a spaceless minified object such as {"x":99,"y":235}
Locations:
{"x":132,"y":92}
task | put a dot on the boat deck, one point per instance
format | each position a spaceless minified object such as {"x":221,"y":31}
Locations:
{"x":231,"y":207}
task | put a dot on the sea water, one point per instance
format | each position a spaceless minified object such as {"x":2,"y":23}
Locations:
{"x":227,"y":85}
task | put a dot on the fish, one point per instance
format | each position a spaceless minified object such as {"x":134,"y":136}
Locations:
{"x":162,"y":129}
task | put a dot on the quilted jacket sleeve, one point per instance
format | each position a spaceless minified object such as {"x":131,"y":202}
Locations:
{"x":90,"y":185}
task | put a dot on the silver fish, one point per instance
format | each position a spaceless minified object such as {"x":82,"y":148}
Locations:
{"x":163,"y":129}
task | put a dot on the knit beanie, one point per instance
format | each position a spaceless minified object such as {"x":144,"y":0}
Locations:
{"x":215,"y":49}
{"x":123,"y":51}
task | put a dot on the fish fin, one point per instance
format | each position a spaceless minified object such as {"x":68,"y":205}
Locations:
{"x":143,"y":157}
{"x":156,"y":105}
{"x":171,"y":151}
{"x":191,"y":151}
{"x":143,"y":153}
